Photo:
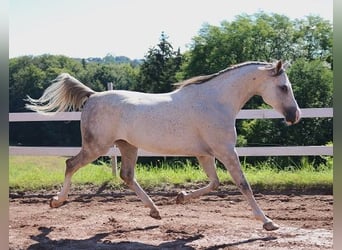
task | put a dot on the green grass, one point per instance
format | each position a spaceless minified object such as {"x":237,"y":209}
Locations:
{"x":33,"y":173}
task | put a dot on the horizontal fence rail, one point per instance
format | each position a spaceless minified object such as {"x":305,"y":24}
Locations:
{"x":242,"y":151}
{"x":243,"y":114}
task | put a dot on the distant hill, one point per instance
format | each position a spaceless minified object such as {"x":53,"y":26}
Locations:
{"x":109,"y":58}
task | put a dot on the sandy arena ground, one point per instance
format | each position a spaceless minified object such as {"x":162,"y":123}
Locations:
{"x":109,"y":219}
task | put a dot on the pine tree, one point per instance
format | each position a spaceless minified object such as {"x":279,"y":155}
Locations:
{"x":158,"y":71}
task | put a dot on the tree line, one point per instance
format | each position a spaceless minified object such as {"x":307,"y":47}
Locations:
{"x":305,"y":43}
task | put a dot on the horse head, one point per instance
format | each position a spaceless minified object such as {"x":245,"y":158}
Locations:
{"x":276,"y":90}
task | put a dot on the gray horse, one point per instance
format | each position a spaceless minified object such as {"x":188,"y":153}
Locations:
{"x":196,"y":119}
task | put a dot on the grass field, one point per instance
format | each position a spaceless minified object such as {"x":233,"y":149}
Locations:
{"x":33,"y":173}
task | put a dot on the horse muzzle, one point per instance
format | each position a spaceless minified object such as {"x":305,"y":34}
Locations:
{"x":292,"y":115}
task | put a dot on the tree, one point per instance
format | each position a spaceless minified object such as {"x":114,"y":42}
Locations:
{"x":314,"y":38}
{"x":260,"y":37}
{"x":248,"y":37}
{"x":159,"y":68}
{"x":31,"y":75}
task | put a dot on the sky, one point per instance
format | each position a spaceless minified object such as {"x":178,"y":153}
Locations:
{"x":94,"y":28}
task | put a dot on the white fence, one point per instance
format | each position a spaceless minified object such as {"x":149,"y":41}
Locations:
{"x":242,"y":151}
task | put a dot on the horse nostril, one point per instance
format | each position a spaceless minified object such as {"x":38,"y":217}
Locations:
{"x":292,"y":115}
{"x":296,"y":117}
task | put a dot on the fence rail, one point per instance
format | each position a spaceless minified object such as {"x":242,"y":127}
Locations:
{"x":243,"y":114}
{"x":242,"y":151}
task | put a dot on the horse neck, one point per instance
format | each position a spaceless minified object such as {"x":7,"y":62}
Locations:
{"x":236,"y":87}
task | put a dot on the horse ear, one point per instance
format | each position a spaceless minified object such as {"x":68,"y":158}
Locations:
{"x":278,"y":67}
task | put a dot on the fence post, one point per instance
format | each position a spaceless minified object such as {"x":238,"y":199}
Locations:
{"x":113,"y":158}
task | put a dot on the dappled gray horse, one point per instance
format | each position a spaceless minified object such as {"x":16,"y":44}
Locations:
{"x":196,"y":119}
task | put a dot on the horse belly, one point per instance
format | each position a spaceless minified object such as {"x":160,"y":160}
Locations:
{"x":165,"y":135}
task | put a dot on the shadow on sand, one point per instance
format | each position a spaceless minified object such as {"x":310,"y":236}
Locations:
{"x":96,"y":242}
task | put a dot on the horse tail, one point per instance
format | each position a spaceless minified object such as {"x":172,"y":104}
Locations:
{"x":65,"y":94}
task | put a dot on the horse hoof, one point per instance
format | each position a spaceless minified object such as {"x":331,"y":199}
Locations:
{"x":181,"y":197}
{"x":54,"y":202}
{"x":270,"y":226}
{"x":155,"y":215}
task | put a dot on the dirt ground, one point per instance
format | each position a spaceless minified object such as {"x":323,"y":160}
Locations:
{"x":112,"y":219}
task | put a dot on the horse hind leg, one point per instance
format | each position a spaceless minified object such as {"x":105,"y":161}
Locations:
{"x":72,"y":165}
{"x":129,"y":155}
{"x":208,"y":165}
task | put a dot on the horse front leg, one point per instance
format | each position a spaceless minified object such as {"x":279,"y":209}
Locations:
{"x":231,"y":161}
{"x":129,"y":155}
{"x":208,"y":165}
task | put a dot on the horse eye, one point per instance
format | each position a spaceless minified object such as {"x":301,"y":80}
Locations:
{"x":284,"y":88}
